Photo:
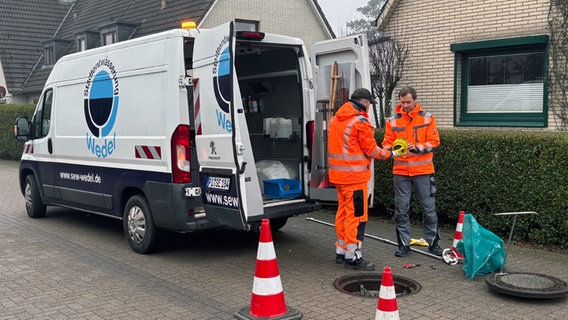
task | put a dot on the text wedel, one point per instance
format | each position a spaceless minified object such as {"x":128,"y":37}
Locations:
{"x":223,"y":122}
{"x":102,"y":149}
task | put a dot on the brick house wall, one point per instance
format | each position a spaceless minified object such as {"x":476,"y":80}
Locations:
{"x":303,"y":23}
{"x":430,"y":27}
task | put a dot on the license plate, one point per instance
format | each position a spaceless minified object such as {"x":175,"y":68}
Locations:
{"x":219,"y":183}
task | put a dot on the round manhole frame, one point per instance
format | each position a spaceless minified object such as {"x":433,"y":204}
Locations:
{"x":558,"y":289}
{"x":375,"y":279}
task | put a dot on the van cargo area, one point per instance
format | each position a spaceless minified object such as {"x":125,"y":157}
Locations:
{"x":272,"y":102}
{"x":266,"y":127}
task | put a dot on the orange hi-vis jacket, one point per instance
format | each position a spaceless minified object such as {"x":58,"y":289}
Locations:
{"x":351,"y":145}
{"x":419,"y":128}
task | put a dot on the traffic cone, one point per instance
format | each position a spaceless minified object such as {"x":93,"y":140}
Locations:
{"x":267,"y":301}
{"x":458,"y":236}
{"x":387,"y":308}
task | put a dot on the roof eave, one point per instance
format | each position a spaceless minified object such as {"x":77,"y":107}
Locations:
{"x":322,"y":19}
{"x":386,"y":13}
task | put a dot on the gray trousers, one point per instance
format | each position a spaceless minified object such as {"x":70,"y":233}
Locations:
{"x":424,"y":186}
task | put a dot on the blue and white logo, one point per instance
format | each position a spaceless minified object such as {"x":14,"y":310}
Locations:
{"x":222,"y":75}
{"x":222,"y":84}
{"x":101,"y":97}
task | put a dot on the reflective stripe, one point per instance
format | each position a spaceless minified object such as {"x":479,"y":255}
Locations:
{"x":394,"y":127}
{"x":346,"y":135}
{"x":343,"y":156}
{"x":427,"y":118}
{"x":348,"y":168}
{"x":265,"y":251}
{"x":377,"y":151}
{"x":412,"y":163}
{"x":387,"y":292}
{"x":267,"y":286}
{"x":430,"y":148}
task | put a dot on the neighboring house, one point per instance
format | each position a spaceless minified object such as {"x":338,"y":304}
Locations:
{"x":24,"y":24}
{"x":35,"y":34}
{"x":475,"y":63}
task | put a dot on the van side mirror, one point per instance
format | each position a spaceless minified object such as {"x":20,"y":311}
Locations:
{"x":22,"y":129}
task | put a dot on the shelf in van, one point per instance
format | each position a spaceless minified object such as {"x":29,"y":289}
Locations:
{"x":270,"y":75}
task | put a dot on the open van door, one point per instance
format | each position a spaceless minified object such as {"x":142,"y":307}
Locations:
{"x":340,"y":66}
{"x":230,"y":189}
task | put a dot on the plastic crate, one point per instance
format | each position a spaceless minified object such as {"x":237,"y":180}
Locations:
{"x":282,"y":188}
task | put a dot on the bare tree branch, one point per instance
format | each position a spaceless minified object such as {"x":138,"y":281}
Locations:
{"x":388,"y":59}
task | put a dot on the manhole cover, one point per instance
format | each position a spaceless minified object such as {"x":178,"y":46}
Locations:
{"x":368,"y":285}
{"x":527,"y":285}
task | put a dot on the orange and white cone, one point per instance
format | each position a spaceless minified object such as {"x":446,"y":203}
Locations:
{"x":267,"y":301}
{"x":458,"y":236}
{"x":387,"y":308}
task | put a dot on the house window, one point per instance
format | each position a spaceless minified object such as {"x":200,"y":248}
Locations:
{"x":87,"y":39}
{"x":116,"y":31}
{"x":54,"y":49}
{"x":81,"y":44}
{"x":246,"y":25}
{"x":48,"y":55}
{"x":501,"y":82}
{"x":109,"y":38}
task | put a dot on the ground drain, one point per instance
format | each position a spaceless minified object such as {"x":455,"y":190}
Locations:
{"x":528,"y":285}
{"x":368,"y":285}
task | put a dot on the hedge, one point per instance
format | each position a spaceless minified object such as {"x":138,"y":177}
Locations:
{"x":10,"y":148}
{"x":486,"y":172}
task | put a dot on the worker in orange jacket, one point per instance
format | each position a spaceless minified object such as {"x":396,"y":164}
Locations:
{"x":414,"y":170}
{"x":351,"y":148}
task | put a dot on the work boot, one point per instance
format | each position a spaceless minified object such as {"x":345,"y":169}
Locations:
{"x":359,"y":264}
{"x":435,"y":249}
{"x":339,"y":258}
{"x":402,"y":251}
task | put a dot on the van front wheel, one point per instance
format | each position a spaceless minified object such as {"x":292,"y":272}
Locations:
{"x":139,"y":227}
{"x":34,"y":206}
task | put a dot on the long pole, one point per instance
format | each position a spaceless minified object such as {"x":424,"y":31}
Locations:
{"x":379,"y":239}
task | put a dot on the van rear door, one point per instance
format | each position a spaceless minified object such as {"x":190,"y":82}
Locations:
{"x":346,"y":61}
{"x":230,"y":189}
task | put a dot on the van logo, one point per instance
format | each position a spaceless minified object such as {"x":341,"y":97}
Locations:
{"x":222,"y":75}
{"x":101,"y":106}
{"x":213,"y":151}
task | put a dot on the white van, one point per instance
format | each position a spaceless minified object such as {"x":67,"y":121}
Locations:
{"x":186,"y":130}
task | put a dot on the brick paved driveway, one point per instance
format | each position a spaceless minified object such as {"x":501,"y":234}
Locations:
{"x":73,"y":265}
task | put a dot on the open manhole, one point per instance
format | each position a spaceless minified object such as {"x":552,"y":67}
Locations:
{"x":368,"y":285}
{"x":527,"y":285}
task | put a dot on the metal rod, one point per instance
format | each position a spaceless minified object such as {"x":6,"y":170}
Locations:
{"x":515,"y":214}
{"x":379,"y":239}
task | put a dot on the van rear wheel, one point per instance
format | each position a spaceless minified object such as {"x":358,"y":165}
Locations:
{"x":139,"y":227}
{"x":34,"y":206}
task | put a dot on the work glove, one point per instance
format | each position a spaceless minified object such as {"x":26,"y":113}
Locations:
{"x":395,"y":154}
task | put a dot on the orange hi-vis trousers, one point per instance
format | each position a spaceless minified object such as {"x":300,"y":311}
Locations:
{"x":350,"y":219}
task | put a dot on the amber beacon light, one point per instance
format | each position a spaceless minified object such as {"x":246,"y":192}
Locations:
{"x":188,"y":25}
